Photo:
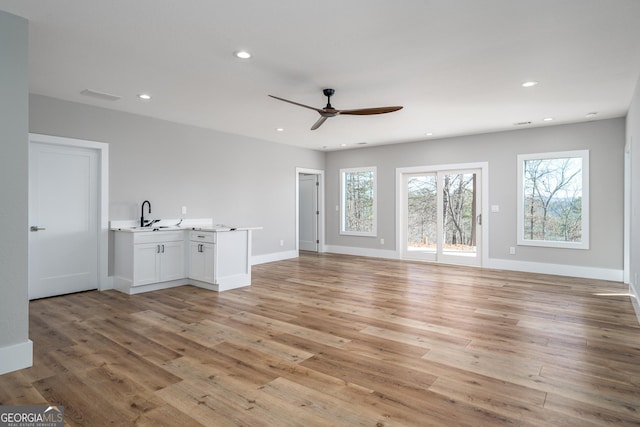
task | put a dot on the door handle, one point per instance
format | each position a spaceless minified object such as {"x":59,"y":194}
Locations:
{"x":480,"y":219}
{"x":36,"y":228}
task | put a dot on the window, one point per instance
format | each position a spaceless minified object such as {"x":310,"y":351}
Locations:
{"x":553,"y":199}
{"x":358,"y":201}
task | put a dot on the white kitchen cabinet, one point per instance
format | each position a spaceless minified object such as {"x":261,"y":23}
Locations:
{"x":219,"y":260}
{"x":201,"y":260}
{"x":149,"y":261}
{"x":215,"y":257}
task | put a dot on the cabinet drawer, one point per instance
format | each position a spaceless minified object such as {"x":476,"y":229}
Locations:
{"x":158,"y":236}
{"x":202,"y":236}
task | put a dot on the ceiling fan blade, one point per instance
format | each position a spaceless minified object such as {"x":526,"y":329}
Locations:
{"x":319,"y":123}
{"x":368,"y":111}
{"x":297,"y":103}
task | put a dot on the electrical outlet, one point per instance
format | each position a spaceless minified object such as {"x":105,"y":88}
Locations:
{"x":512,"y":250}
{"x":184,"y":210}
{"x":281,"y":242}
{"x":382,"y":241}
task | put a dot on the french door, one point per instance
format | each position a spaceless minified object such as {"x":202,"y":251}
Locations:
{"x":442,"y":216}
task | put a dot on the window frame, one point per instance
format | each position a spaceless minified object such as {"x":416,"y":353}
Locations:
{"x":583,"y":244}
{"x":374,"y":228}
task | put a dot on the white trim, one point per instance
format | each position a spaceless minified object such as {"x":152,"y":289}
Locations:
{"x":557,"y":269}
{"x":495,"y":263}
{"x":15,"y":357}
{"x":634,"y":301}
{"x":320,"y":173}
{"x":366,"y":252}
{"x":275,"y":256}
{"x":584,"y":156}
{"x":374,"y":231}
{"x":102,"y":148}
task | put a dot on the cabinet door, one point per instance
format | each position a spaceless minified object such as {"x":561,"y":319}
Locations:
{"x":196,"y":261}
{"x":201,"y":261}
{"x":207,"y":252}
{"x":172,"y":261}
{"x":146,"y":265}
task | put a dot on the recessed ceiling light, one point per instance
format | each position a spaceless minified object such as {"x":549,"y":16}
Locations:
{"x":144,"y":96}
{"x":242,"y":54}
{"x":343,"y":145}
{"x":591,"y":114}
{"x":530,"y":83}
{"x":547,"y":119}
{"x":429,"y":133}
{"x":279,"y":129}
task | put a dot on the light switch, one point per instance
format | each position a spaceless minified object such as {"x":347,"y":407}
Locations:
{"x":495,"y":208}
{"x":184,"y":210}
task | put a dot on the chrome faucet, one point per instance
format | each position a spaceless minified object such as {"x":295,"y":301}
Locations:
{"x":142,"y":217}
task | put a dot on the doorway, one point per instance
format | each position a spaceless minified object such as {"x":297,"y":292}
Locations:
{"x":441,"y":214}
{"x":67,"y":216}
{"x":309,"y":210}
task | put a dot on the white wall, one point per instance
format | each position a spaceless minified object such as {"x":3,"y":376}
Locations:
{"x":233,"y":179}
{"x":633,"y":140}
{"x":15,"y":347}
{"x":605,"y":141}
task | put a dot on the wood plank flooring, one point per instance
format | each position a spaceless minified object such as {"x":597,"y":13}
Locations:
{"x":329,"y":340}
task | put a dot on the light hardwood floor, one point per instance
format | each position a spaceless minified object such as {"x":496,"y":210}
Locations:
{"x":328,"y":340}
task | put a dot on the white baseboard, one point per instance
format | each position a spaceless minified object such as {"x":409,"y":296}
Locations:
{"x":557,"y":269}
{"x":15,"y":357}
{"x":501,"y":264}
{"x":275,"y":256}
{"x":634,"y":299}
{"x":351,"y":250}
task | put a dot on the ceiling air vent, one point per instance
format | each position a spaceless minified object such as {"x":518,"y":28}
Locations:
{"x":100,"y":95}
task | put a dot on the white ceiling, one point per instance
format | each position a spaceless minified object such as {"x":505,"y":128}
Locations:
{"x":455,"y":65}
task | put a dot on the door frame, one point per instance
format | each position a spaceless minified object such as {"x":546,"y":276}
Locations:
{"x":320,"y":174}
{"x":484,"y":205}
{"x":103,"y":197}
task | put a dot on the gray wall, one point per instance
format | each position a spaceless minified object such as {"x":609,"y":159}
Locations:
{"x":14,"y":314}
{"x":633,"y":138}
{"x":233,"y":179}
{"x":604,"y":139}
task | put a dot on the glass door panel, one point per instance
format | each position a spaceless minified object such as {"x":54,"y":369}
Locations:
{"x":422,"y":214}
{"x":459,"y":215}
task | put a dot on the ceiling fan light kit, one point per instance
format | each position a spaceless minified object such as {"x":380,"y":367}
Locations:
{"x":328,"y":111}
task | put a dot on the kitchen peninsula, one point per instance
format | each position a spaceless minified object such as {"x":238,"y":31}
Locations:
{"x":172,"y":253}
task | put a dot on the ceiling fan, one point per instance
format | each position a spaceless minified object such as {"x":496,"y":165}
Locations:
{"x":329,"y":111}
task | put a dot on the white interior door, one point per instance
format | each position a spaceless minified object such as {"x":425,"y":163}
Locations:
{"x":308,"y":212}
{"x":63,"y":215}
{"x":442,"y":216}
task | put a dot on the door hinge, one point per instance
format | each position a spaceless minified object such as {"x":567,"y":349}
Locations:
{"x":317,"y":184}
{"x":317,"y":212}
{"x":317,"y":242}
